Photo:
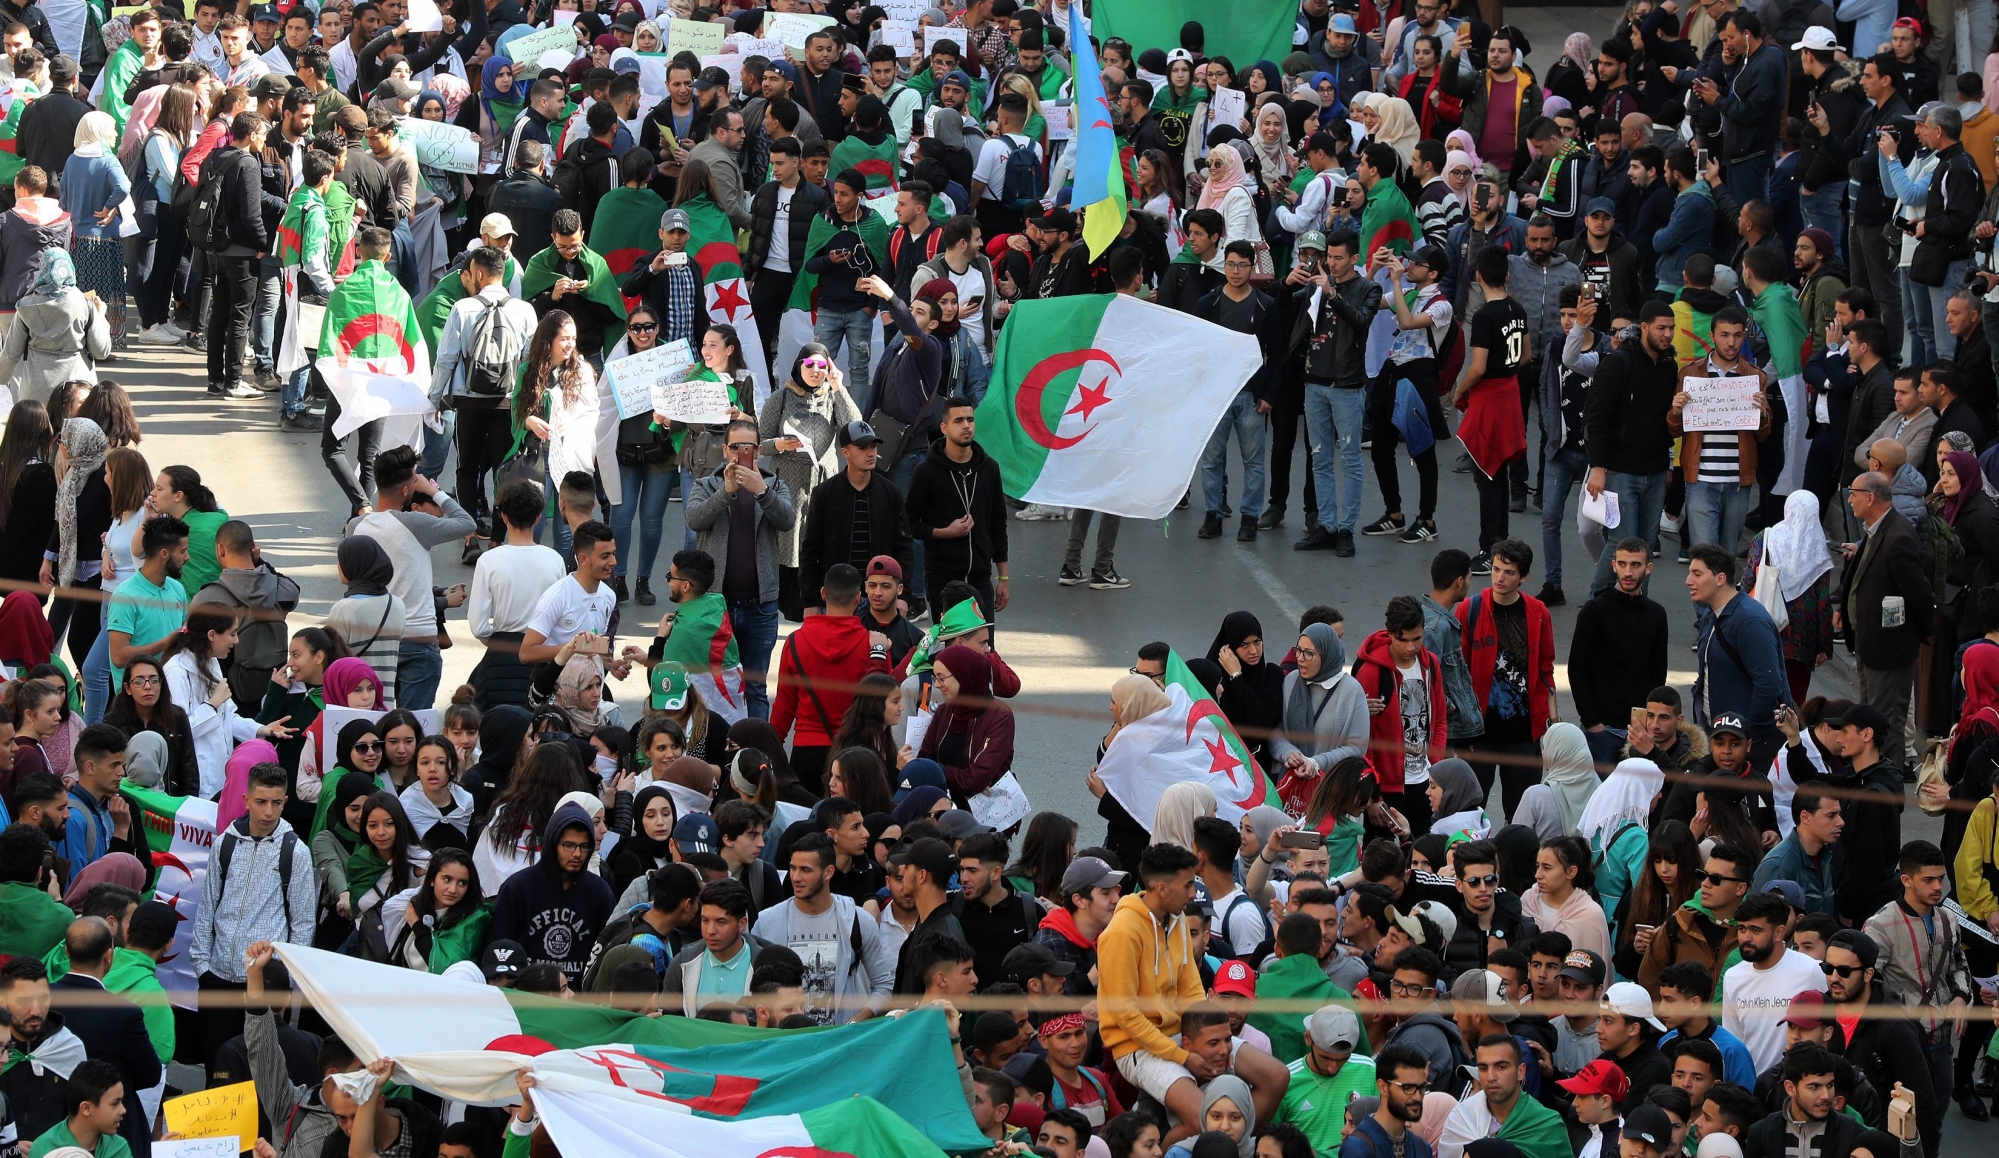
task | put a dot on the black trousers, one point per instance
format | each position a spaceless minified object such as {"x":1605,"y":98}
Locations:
{"x":333,"y":451}
{"x":770,"y":293}
{"x":1517,"y":772}
{"x":219,"y":1022}
{"x":1520,"y":471}
{"x":485,"y":434}
{"x":808,"y":764}
{"x":233,"y":294}
{"x":1422,"y":374}
{"x":1287,"y":423}
{"x":1492,"y":499}
{"x":81,"y":617}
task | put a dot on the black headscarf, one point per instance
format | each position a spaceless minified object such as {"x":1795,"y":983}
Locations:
{"x":1254,"y":699}
{"x":639,"y":854}
{"x":1208,"y":672}
{"x":1236,"y":627}
{"x":366,"y":566}
{"x":501,"y":732}
{"x":350,"y":787}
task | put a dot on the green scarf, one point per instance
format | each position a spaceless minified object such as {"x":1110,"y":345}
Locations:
{"x":365,"y":866}
{"x":603,"y":289}
{"x":461,"y":942}
{"x":326,"y":794}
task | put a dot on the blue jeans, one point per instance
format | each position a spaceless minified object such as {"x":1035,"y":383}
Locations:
{"x":1640,"y":498}
{"x":1333,"y":417}
{"x":437,"y":446}
{"x":1607,"y":745}
{"x":295,"y":386}
{"x":900,"y":474}
{"x":1242,"y":421}
{"x":858,"y":328}
{"x":97,"y":679}
{"x":1825,"y":210}
{"x":646,"y":487}
{"x":563,"y":540}
{"x":1715,"y":512}
{"x":1565,"y":468}
{"x":419,"y":669}
{"x":264,"y":314}
{"x":1953,"y":280}
{"x":1916,"y":315}
{"x":1749,"y":178}
{"x":755,"y":625}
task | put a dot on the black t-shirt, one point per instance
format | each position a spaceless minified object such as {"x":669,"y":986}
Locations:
{"x":739,"y":578}
{"x":1241,"y":316}
{"x":1506,"y":715}
{"x":1575,"y":391}
{"x":1500,"y":329}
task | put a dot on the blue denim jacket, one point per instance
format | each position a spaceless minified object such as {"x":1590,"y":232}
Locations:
{"x":1444,"y":636}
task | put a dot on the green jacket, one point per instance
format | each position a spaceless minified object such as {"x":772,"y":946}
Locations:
{"x":133,"y":973}
{"x":1296,"y":977}
{"x":31,"y":921}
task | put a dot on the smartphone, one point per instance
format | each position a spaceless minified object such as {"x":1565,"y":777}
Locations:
{"x":1901,"y":1108}
{"x":1700,"y":161}
{"x":1302,"y":839}
{"x":1483,"y":198}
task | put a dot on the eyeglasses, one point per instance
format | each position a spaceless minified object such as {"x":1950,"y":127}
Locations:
{"x":1400,"y":989}
{"x":643,"y":327}
{"x":143,"y":681}
{"x":1829,"y":969}
{"x":1718,"y":879}
{"x":1481,"y":882}
{"x":1409,"y":1089}
{"x":367,"y":746}
{"x":573,"y":846}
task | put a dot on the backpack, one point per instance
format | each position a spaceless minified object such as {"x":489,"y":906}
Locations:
{"x":568,"y":181}
{"x":1023,"y":184}
{"x":931,"y":245}
{"x":491,"y":355}
{"x":1218,"y":939}
{"x":227,"y":851}
{"x":208,"y":220}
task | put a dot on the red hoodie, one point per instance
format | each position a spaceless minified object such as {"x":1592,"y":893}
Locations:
{"x":1379,"y":677}
{"x":832,"y":652}
{"x":1482,"y":653}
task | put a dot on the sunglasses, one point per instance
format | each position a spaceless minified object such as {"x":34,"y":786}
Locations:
{"x":368,"y":746}
{"x":1718,"y":879}
{"x":643,"y":327}
{"x":741,"y":446}
{"x":1830,"y":969}
{"x":817,"y":364}
{"x":1481,"y":882}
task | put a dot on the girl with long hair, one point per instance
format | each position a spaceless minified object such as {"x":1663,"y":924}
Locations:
{"x":333,"y":845}
{"x":441,"y":921}
{"x":647,"y":473}
{"x":144,"y":704}
{"x":1561,"y":899}
{"x":1045,"y":853}
{"x":27,"y":491}
{"x":178,"y":492}
{"x":856,"y":773}
{"x":871,"y":720}
{"x":156,"y":258}
{"x":400,"y":732}
{"x":1156,"y":193}
{"x":557,"y":403}
{"x":110,"y":407}
{"x":61,"y":743}
{"x":388,"y":858}
{"x":36,"y":710}
{"x":511,"y":839}
{"x":1338,"y":807}
{"x":1673,"y":865}
{"x":439,"y":810}
{"x":705,"y":448}
{"x":296,"y":693}
{"x":194,"y":676}
{"x":705,"y":734}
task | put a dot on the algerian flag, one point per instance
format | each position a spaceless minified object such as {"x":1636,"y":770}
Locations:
{"x":876,"y":162}
{"x":15,"y":97}
{"x":704,"y":642}
{"x":1693,"y":331}
{"x":1189,"y":739}
{"x":373,"y":356}
{"x":1387,"y":222}
{"x":435,"y":309}
{"x":711,"y":240}
{"x":1783,"y":325}
{"x":1105,"y":402}
{"x":468,"y":1042}
{"x":626,"y":228}
{"x":179,"y":831}
{"x":108,"y":93}
{"x":603,"y":1121}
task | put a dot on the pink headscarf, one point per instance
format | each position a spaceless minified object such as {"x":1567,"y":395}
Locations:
{"x":343,"y":676}
{"x":139,"y":125}
{"x":1225,"y":172}
{"x":1578,"y":50}
{"x":118,"y":868}
{"x":1453,"y":160}
{"x":451,"y":87}
{"x":236,"y":778}
{"x":1437,"y":1109}
{"x":1460,"y":140}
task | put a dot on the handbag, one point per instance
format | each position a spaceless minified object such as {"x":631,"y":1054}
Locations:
{"x":528,"y":464}
{"x":1769,"y":591}
{"x":1936,"y":754}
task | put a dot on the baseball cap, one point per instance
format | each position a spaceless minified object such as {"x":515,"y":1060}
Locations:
{"x":1863,"y":716}
{"x":1728,"y":724}
{"x":711,"y":78}
{"x":1818,"y":38}
{"x":1312,"y":239}
{"x":957,"y":824}
{"x":1089,"y":872}
{"x":270,"y":85}
{"x":1429,"y":256}
{"x":1487,"y":990}
{"x":1235,"y":979}
{"x":1179,"y":56}
{"x":1650,"y":1125}
{"x":398,"y":89}
{"x":1857,"y":943}
{"x":263,"y":12}
{"x":920,"y":774}
{"x":929,"y":854}
{"x":1911,"y":23}
{"x":1334,"y":1028}
{"x":1033,"y":959}
{"x":1441,"y":916}
{"x":858,"y":433}
{"x":153,"y":922}
{"x":502,"y":959}
{"x":1808,"y":1010}
{"x":1600,"y":205}
{"x":63,"y":69}
{"x":1599,"y":1077}
{"x":885,"y":565}
{"x":1059,"y":220}
{"x":1583,"y":965}
{"x":496,"y":225}
{"x":627,"y":19}
{"x":675,"y":219}
{"x":1629,"y":999}
{"x":1344,"y":25}
{"x":696,"y":832}
{"x":957,"y":77}
{"x":1791,"y":891}
{"x":669,"y":686}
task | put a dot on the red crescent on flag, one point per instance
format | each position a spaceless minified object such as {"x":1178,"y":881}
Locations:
{"x":623,"y":261}
{"x":1200,"y":710}
{"x":728,"y":1098}
{"x":803,"y":1152}
{"x":369,"y":325}
{"x":1027,"y":400}
{"x":717,"y":253}
{"x":164,"y":859}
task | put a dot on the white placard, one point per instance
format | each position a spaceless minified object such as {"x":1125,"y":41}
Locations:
{"x":1003,"y":805}
{"x":909,"y":11}
{"x":633,"y":377}
{"x":746,"y":47}
{"x":1227,"y":105}
{"x":652,"y":72}
{"x":338,"y":718}
{"x":198,"y":1148}
{"x":276,"y":59}
{"x":727,"y":62}
{"x":698,"y":37}
{"x":1057,"y":117}
{"x":1721,"y":404}
{"x":697,"y":402}
{"x":564,"y":17}
{"x":440,"y":145}
{"x":561,"y":38}
{"x":932,"y":33}
{"x":128,"y":218}
{"x":900,"y":39}
{"x":424,"y":16}
{"x":791,"y":28}
{"x":883,"y":204}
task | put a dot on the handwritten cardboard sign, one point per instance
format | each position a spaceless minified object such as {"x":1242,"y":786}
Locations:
{"x":222,"y":1112}
{"x":932,"y":33}
{"x":198,"y":1148}
{"x":883,"y":204}
{"x":652,"y":72}
{"x":529,"y":48}
{"x":1057,"y":116}
{"x":748,"y":46}
{"x":633,"y":377}
{"x":792,"y":28}
{"x":696,"y":36}
{"x":1227,"y":106}
{"x":697,"y":402}
{"x":440,"y":145}
{"x":1721,"y":404}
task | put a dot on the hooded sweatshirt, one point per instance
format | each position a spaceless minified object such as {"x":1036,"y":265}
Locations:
{"x":940,"y":491}
{"x":31,"y":226}
{"x":55,"y":340}
{"x":833,"y":653}
{"x":555,"y":921}
{"x":261,"y":640}
{"x":1059,"y":934}
{"x":1139,"y":958}
{"x":1378,"y":675}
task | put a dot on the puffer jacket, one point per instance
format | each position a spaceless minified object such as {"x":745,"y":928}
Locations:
{"x":31,"y":226}
{"x":53,"y":340}
{"x":1470,"y":943}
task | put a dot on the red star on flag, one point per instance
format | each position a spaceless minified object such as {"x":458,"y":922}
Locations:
{"x":1221,"y":759}
{"x":728,"y":300}
{"x":1090,"y":397}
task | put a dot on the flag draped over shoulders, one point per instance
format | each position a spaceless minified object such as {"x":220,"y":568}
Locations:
{"x":1387,"y":220}
{"x":626,"y":228}
{"x":603,"y":289}
{"x":873,"y":232}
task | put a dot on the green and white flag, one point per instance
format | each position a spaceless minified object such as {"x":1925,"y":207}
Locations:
{"x":179,"y":833}
{"x":1189,"y":739}
{"x":1105,"y":402}
{"x":603,"y":1122}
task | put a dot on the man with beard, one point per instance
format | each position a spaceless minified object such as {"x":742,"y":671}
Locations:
{"x":1616,"y":99}
{"x":1922,"y":963}
{"x":1608,"y":173}
{"x":39,"y":799}
{"x":1061,"y":268}
{"x":147,"y":610}
{"x":1886,"y":1050}
{"x":846,"y":965}
{"x":1808,"y":1123}
{"x":1498,"y":1107}
{"x":1143,"y":131}
{"x":1820,"y":283}
{"x":1607,"y":262}
{"x":34,"y":1092}
{"x":1402,"y":1076}
{"x":1759,"y":990}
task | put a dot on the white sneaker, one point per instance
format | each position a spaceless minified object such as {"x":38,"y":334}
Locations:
{"x":1042,"y":513}
{"x":178,"y":333}
{"x":242,"y":391}
{"x":158,"y":335}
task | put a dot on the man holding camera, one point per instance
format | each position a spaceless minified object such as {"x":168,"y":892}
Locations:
{"x":1943,"y":236}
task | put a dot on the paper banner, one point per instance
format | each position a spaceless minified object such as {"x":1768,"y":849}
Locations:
{"x":729,"y":303}
{"x":561,"y":38}
{"x":792,"y":28}
{"x":883,"y":204}
{"x":727,"y":62}
{"x":338,"y":718}
{"x":900,"y":39}
{"x":699,"y":402}
{"x":1721,"y":404}
{"x":1057,"y":116}
{"x":424,"y":16}
{"x":747,"y":47}
{"x":221,"y":1112}
{"x":633,"y":377}
{"x":276,"y":59}
{"x":1226,"y":106}
{"x":932,"y":33}
{"x":564,"y":17}
{"x":440,"y":145}
{"x":198,"y":1148}
{"x":698,"y":37}
{"x":909,"y":11}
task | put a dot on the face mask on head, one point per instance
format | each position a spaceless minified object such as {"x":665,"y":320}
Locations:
{"x":607,"y":767}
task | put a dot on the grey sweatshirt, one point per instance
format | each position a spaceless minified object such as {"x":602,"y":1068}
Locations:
{"x":412,"y":560}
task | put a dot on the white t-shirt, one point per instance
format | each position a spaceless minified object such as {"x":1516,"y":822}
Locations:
{"x":566,"y":609}
{"x":1754,"y":1001}
{"x":779,"y":258}
{"x":991,"y":169}
{"x":1415,"y":726}
{"x":971,"y":285}
{"x":1244,"y":925}
{"x":507,"y":585}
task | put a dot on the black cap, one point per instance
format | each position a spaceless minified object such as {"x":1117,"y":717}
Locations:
{"x":264,"y":12}
{"x":929,"y":854}
{"x":628,"y":20}
{"x":153,"y":923}
{"x":1432,"y":256}
{"x":858,"y":433}
{"x":1060,"y":220}
{"x":1583,"y":965}
{"x":62,"y":70}
{"x":1728,"y":724}
{"x":957,"y":824}
{"x":1650,"y":1125}
{"x":711,"y":78}
{"x":502,"y":959}
{"x":270,"y":86}
{"x":1034,"y":959}
{"x":1864,"y":716}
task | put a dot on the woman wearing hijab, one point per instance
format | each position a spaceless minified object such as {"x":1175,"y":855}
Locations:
{"x":1456,"y":801}
{"x":579,"y":693}
{"x":146,"y":759}
{"x":971,"y":735}
{"x":346,"y":683}
{"x":758,"y":734}
{"x":648,"y":846}
{"x":921,"y":803}
{"x":447,"y":187}
{"x":501,"y":99}
{"x":1228,"y":1109}
{"x":1805,"y":576}
{"x":1569,"y":77}
{"x":370,"y":617}
{"x":358,"y":748}
{"x":1133,"y":697}
{"x":1568,"y":780}
{"x":1272,"y":142}
{"x":94,"y":181}
{"x":1458,"y":140}
{"x":1179,"y":807}
{"x":1229,"y":193}
{"x":797,"y":423}
{"x":332,"y":845}
{"x":1251,"y":692}
{"x":83,"y":516}
{"x":1960,"y":492}
{"x":113,"y":868}
{"x":1615,"y":823}
{"x":1399,"y":127}
{"x":1325,"y":713}
{"x":57,"y":335}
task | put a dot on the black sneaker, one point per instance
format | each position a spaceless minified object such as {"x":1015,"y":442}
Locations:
{"x":643,"y":593}
{"x":1182,"y":504}
{"x":1420,"y":531}
{"x":470,"y":552}
{"x":1211,"y":527}
{"x":1108,"y":580}
{"x":1481,"y":563}
{"x":1071,"y":575}
{"x":1463,"y":465}
{"x":1552,"y":595}
{"x":1385,"y":525}
{"x":1316,"y":539}
{"x":1273,"y":518}
{"x":1517,"y":503}
{"x":215,"y":390}
{"x":303,"y":420}
{"x":618,"y":587}
{"x":1343,"y":544}
{"x":483,"y":526}
{"x":1247,"y":532}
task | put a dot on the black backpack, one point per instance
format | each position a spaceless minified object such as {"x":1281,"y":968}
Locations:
{"x":208,"y":220}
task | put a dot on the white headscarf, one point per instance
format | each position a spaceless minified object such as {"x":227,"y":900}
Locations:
{"x":1569,"y":771}
{"x":1179,"y":806}
{"x":1626,"y":796}
{"x":96,"y":135}
{"x":1797,"y":545}
{"x":1399,"y":127}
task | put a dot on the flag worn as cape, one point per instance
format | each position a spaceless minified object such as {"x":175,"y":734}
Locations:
{"x":1100,"y":189}
{"x":873,"y":231}
{"x":704,"y":642}
{"x":876,"y":162}
{"x":626,"y":228}
{"x":373,"y":356}
{"x":603,"y":289}
{"x":108,"y":93}
{"x":1783,"y":324}
{"x":1190,"y":739}
{"x":1533,"y":1127}
{"x":711,"y":241}
{"x":1387,"y":220}
{"x":179,"y":831}
{"x":305,"y":227}
{"x":435,"y":307}
{"x":31,"y":921}
{"x":1693,"y":330}
{"x":15,"y":97}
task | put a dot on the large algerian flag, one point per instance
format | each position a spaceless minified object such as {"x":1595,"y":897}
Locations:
{"x":1253,"y":29}
{"x":468,"y":1042}
{"x":876,"y":162}
{"x":1105,"y":402}
{"x":1189,"y":739}
{"x":373,"y":356}
{"x":626,"y":228}
{"x":435,"y":309}
{"x":600,"y":1121}
{"x":179,"y":831}
{"x":704,"y":642}
{"x":1387,"y":221}
{"x":108,"y":92}
{"x":1783,"y":325}
{"x":712,"y":240}
{"x":15,"y":97}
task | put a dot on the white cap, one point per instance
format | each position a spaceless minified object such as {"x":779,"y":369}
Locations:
{"x":1179,"y":55}
{"x":1818,"y":38}
{"x":496,"y":225}
{"x":1629,"y":999}
{"x":1441,"y":916}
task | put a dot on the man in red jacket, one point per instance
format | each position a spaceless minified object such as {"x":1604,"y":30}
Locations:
{"x":821,"y":664}
{"x":1408,"y":727}
{"x":1510,"y":647}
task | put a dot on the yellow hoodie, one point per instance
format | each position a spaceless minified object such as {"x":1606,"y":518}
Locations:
{"x":1137,"y":959}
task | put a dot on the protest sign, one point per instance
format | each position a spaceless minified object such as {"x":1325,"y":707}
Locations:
{"x":221,"y":1112}
{"x":748,"y":46}
{"x":883,"y":205}
{"x":907,"y":11}
{"x":424,"y":16}
{"x":198,"y":1148}
{"x":696,"y":36}
{"x":633,"y":377}
{"x":791,"y":28}
{"x":1226,"y":106}
{"x":1057,"y":116}
{"x":727,"y":62}
{"x":652,"y":72}
{"x":440,"y":145}
{"x":561,"y":38}
{"x":932,"y":33}
{"x":564,"y":17}
{"x":698,"y":402}
{"x":900,"y":39}
{"x":338,"y":718}
{"x":1721,"y":404}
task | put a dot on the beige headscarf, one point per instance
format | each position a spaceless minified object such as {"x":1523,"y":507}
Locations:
{"x":96,"y":135}
{"x":1398,"y":126}
{"x":577,"y":674}
{"x":1179,"y":806}
{"x":1275,"y":157}
{"x":1136,"y":697}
